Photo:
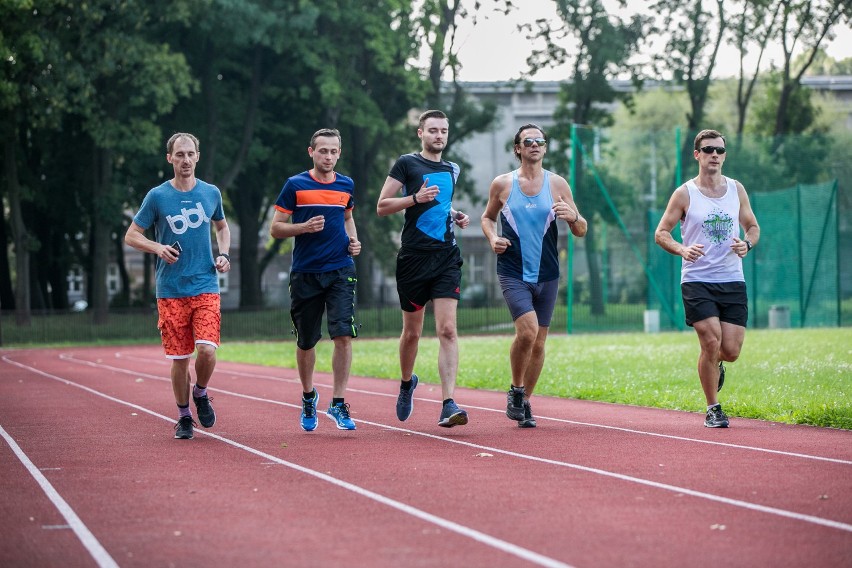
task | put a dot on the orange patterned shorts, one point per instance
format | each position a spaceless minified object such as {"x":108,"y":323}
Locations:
{"x":183,"y":322}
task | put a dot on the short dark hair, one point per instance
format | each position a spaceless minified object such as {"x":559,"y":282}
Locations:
{"x":326,"y":132}
{"x":430,"y":114}
{"x":518,"y":136}
{"x":705,"y":134}
{"x":170,"y":145}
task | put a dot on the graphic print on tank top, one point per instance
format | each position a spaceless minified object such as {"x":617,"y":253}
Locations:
{"x":717,"y":226}
{"x":433,"y":221}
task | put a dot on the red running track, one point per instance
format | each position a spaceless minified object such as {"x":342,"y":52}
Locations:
{"x":91,"y":476}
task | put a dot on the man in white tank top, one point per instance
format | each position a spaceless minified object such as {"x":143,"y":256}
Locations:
{"x":712,"y":209}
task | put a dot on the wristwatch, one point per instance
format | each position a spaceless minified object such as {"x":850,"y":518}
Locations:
{"x":228,"y":258}
{"x":748,"y":244}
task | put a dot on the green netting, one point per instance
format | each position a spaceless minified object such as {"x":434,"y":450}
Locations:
{"x":793,"y":275}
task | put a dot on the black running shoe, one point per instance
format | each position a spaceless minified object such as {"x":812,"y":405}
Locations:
{"x":452,"y":415}
{"x":205,"y":411}
{"x":515,"y":403}
{"x":528,"y":421}
{"x":405,"y":399}
{"x":716,"y":418}
{"x":721,"y":376}
{"x":183,"y":428}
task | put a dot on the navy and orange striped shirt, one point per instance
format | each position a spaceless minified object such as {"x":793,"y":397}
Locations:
{"x":304,"y":197}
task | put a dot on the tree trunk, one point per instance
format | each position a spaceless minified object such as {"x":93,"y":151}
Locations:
{"x":19,"y":233}
{"x":7,"y":293}
{"x":101,"y":229}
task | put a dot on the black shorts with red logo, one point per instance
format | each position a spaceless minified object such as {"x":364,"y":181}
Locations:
{"x":424,"y":276}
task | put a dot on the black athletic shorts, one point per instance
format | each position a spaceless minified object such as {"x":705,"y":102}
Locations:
{"x":421,"y":277}
{"x":727,"y":301}
{"x":312,"y":293}
{"x":523,"y":297}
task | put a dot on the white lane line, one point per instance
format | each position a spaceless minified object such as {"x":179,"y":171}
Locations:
{"x":538,"y":416}
{"x":673,"y":488}
{"x":494,"y":542}
{"x":98,"y":552}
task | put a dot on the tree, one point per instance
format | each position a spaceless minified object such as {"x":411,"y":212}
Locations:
{"x":756,"y":24}
{"x":604,"y":47}
{"x":808,"y":22}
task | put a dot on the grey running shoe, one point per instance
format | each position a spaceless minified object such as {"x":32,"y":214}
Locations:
{"x":721,"y":376}
{"x":716,"y":418}
{"x":205,"y":411}
{"x":452,"y":415}
{"x":528,"y":421}
{"x":515,"y":403}
{"x":405,"y":400}
{"x":183,"y":428}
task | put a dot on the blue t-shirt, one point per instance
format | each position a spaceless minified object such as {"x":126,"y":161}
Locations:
{"x":304,"y":197}
{"x":428,"y":226}
{"x":184,"y":216}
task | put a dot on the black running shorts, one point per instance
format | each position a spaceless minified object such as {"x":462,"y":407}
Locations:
{"x":331,"y":292}
{"x":424,"y":276}
{"x":727,"y":301}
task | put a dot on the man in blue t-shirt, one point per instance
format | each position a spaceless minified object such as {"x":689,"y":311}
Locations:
{"x":428,"y":265}
{"x":315,"y":207}
{"x":181,"y":211}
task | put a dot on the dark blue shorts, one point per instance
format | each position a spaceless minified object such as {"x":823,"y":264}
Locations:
{"x":727,"y":301}
{"x":523,"y":297}
{"x":312,"y":293}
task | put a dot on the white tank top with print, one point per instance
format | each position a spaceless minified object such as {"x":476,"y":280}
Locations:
{"x":713,"y":222}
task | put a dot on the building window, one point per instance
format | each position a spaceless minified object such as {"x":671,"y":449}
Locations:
{"x":113,"y":279}
{"x":75,"y":279}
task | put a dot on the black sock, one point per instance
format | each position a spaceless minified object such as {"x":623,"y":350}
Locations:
{"x":336,"y":401}
{"x":448,"y":400}
{"x":308,"y":395}
{"x":406,"y":385}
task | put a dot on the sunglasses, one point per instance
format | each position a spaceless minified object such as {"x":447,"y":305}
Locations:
{"x":540,"y":141}
{"x":709,"y":149}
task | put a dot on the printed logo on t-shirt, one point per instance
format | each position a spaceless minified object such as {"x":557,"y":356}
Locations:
{"x":188,"y":219}
{"x":718,"y":226}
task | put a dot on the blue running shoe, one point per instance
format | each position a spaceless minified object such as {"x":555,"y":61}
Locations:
{"x":340,"y":414}
{"x":405,"y":400}
{"x":308,"y":419}
{"x":452,"y":415}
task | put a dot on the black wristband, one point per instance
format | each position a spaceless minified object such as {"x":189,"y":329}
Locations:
{"x":748,"y":244}
{"x":228,"y":258}
{"x":414,"y":197}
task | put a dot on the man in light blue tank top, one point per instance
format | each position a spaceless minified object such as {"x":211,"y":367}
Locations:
{"x":528,"y":201}
{"x":712,"y":210}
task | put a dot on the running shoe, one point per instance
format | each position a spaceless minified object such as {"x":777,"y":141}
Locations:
{"x":340,"y":414}
{"x":452,"y":415}
{"x":405,"y":400}
{"x":183,"y":428}
{"x":515,"y":403}
{"x":205,"y":410}
{"x":308,"y":419}
{"x":716,"y":418}
{"x":528,"y":421}
{"x":721,"y":376}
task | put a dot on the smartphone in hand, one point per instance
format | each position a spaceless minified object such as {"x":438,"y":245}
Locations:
{"x":177,"y":247}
